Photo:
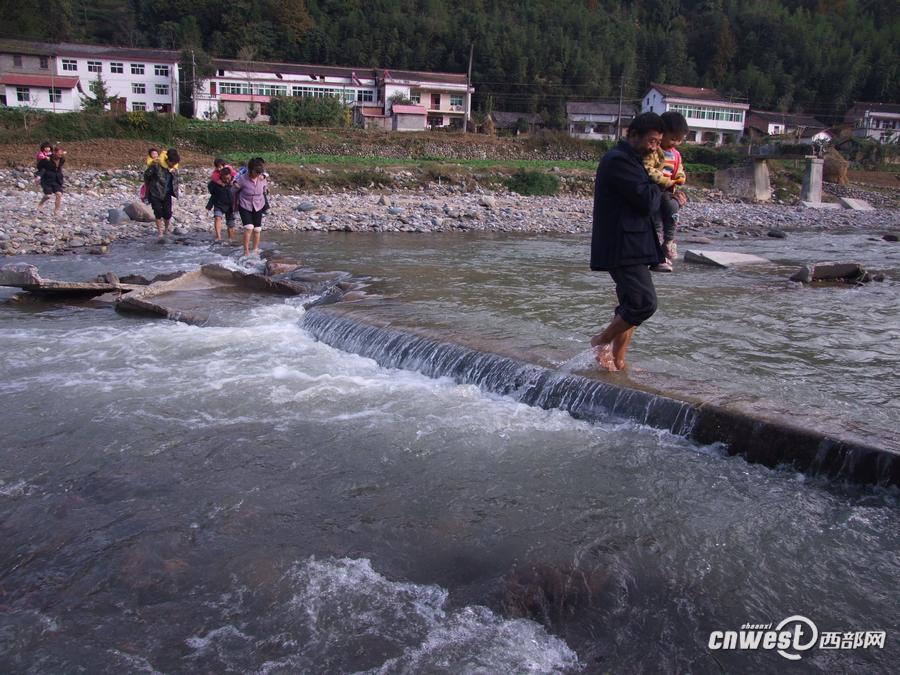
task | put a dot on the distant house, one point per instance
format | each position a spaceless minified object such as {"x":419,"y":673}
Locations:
{"x":593,"y":120}
{"x":56,"y":77}
{"x":800,"y":128}
{"x":711,"y":117}
{"x":879,"y":121}
{"x":509,"y":122}
{"x":236,"y":86}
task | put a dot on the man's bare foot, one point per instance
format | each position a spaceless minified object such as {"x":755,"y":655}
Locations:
{"x":604,"y":355}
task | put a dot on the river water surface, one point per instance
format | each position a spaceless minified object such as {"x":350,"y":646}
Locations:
{"x":239,"y":497}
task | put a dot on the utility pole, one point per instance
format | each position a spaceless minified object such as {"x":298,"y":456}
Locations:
{"x":194,"y":85}
{"x":619,"y":116}
{"x":468,"y":87}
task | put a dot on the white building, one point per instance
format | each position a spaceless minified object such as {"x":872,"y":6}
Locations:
{"x":596,"y":121}
{"x":238,"y":85}
{"x":711,"y":117}
{"x":57,"y":77}
{"x":795,"y":127}
{"x":880,"y":121}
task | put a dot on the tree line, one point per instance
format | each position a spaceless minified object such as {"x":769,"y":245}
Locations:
{"x":811,"y":56}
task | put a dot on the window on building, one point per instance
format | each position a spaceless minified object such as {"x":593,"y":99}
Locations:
{"x":699,"y":112}
{"x":55,"y":95}
{"x":69,"y":64}
{"x":161,"y":71}
{"x":23,"y":94}
{"x":17,"y":60}
{"x":436,"y":102}
{"x":138,"y":106}
{"x":415,"y":96}
{"x":115,"y":67}
{"x":45,"y":63}
{"x":435,"y":121}
{"x":365,"y":96}
{"x":456,"y":101}
{"x":234,"y":88}
{"x":137,"y":88}
{"x":95,"y":66}
{"x":162,"y":90}
{"x":264,"y":108}
{"x":221,"y":72}
{"x":137,"y":68}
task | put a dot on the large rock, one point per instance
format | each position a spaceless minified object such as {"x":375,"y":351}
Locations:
{"x":855,"y":204}
{"x":139,"y":212}
{"x":835,"y":168}
{"x":831,"y":272}
{"x":721,"y":258}
{"x":27,"y":278}
{"x":115,"y":216}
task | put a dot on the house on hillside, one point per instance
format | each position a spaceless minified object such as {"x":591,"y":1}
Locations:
{"x":796,"y":127}
{"x":597,"y":121}
{"x":879,"y":121}
{"x":236,"y":85}
{"x":711,"y":117}
{"x":512,"y":123}
{"x":56,"y":77}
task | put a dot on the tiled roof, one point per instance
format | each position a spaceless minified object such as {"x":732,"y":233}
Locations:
{"x":788,"y":119}
{"x":88,"y":51}
{"x":860,"y":107}
{"x":696,"y":93}
{"x":598,"y":108}
{"x":345,"y":72}
{"x":408,"y":109}
{"x":23,"y":80}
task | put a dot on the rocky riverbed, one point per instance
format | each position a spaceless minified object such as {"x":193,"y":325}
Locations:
{"x":92,"y":203}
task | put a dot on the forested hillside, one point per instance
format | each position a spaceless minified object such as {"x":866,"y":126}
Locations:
{"x":815,"y":56}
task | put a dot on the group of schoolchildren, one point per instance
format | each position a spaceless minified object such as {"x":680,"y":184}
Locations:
{"x":243,"y":192}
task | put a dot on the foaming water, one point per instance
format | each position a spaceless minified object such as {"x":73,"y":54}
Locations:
{"x":241,"y":497}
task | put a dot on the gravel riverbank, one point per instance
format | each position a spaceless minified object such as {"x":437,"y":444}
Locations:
{"x":84,"y":222}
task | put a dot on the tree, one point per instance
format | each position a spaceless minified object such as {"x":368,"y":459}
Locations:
{"x":101,"y":99}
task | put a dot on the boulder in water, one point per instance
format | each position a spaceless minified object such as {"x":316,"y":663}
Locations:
{"x":115,"y":216}
{"x":832,"y":272}
{"x":139,"y":212}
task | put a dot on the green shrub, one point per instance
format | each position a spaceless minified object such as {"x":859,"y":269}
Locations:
{"x":305,"y":111}
{"x":224,"y":137}
{"x":532,"y":183}
{"x":720,"y":158}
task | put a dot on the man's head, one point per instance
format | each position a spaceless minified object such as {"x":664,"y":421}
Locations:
{"x":219,"y":162}
{"x":645,"y":133}
{"x":225,"y":175}
{"x":676,"y":128}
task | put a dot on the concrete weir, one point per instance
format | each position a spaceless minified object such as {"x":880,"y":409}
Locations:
{"x":769,"y":441}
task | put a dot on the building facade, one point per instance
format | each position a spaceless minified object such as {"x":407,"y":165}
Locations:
{"x":788,"y":126}
{"x":878,"y":121}
{"x":597,"y":121}
{"x":57,"y":77}
{"x":237,"y":88}
{"x":711,"y":117}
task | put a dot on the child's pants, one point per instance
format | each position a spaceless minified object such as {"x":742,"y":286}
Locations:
{"x":667,"y":217}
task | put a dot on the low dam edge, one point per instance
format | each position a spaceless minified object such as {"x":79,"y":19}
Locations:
{"x":757,"y":439}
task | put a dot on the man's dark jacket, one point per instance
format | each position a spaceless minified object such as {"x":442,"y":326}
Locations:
{"x":624,"y":200}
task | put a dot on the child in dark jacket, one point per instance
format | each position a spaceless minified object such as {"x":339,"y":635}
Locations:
{"x":221,"y":202}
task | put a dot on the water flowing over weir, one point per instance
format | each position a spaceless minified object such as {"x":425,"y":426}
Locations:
{"x":759,"y":440}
